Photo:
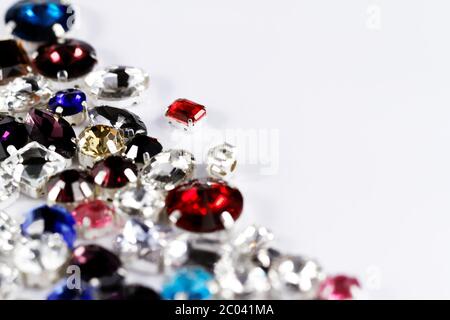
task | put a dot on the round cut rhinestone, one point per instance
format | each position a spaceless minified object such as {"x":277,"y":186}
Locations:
{"x":339,"y":288}
{"x":65,"y":60}
{"x":204,"y":206}
{"x":185,"y":113}
{"x":12,"y":133}
{"x":128,"y":122}
{"x":40,"y":21}
{"x":114,"y":172}
{"x":99,"y":142}
{"x":168,"y":169}
{"x":69,"y":188}
{"x":94,"y":218}
{"x":50,"y":131}
{"x":9,"y":189}
{"x":122,"y":86}
{"x":68,"y":102}
{"x":142,"y":148}
{"x":9,"y":282}
{"x":9,"y":234}
{"x":221,"y":161}
{"x":62,"y":292}
{"x":189,"y":284}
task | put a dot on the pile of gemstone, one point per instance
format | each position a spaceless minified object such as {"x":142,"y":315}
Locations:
{"x":117,"y":202}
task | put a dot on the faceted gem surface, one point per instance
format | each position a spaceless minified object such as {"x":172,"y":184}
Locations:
{"x":40,"y":21}
{"x":93,"y":217}
{"x":339,"y":288}
{"x":9,"y":282}
{"x":204,"y":206}
{"x":14,"y":61}
{"x":168,"y":169}
{"x":114,"y":172}
{"x":68,"y":102}
{"x":128,"y":122}
{"x":12,"y":133}
{"x":61,"y":292}
{"x":135,"y":292}
{"x":9,"y":234}
{"x":221,"y":161}
{"x":185,"y":112}
{"x":189,"y":284}
{"x":70,"y":187}
{"x":47,"y":219}
{"x":142,"y":148}
{"x":66,"y":60}
{"x":48,"y":130}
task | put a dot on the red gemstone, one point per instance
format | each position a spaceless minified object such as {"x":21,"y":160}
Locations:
{"x":96,"y":212}
{"x":69,"y":59}
{"x":70,"y":187}
{"x":114,"y":172}
{"x":186,"y":112}
{"x":204,"y":206}
{"x":339,"y":288}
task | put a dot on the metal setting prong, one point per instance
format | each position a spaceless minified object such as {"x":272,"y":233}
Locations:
{"x":227,"y":220}
{"x":175,"y":216}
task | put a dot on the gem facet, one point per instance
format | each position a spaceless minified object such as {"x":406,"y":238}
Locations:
{"x":189,"y":284}
{"x":12,"y":133}
{"x":9,"y":282}
{"x":70,"y":104}
{"x":9,"y":189}
{"x":204,"y":206}
{"x":142,"y":148}
{"x":9,"y":234}
{"x":185,"y":113}
{"x":94,"y":218}
{"x":339,"y":288}
{"x":14,"y":61}
{"x":168,"y":169}
{"x":221,"y":161}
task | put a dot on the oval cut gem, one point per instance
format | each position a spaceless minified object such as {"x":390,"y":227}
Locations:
{"x":114,"y":172}
{"x":70,"y":187}
{"x":12,"y":133}
{"x":68,"y":102}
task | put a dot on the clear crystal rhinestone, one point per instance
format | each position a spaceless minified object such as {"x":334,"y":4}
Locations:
{"x":295,"y":277}
{"x":32,"y":166}
{"x":118,"y":85}
{"x":221,"y":161}
{"x":40,"y":260}
{"x":24,"y":93}
{"x":140,"y":201}
{"x":168,"y":169}
{"x":9,"y":234}
{"x":9,"y":189}
{"x":252,"y":239}
{"x":9,"y":282}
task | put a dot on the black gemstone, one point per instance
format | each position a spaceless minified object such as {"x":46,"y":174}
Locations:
{"x":135,"y":292}
{"x":142,"y":147}
{"x":14,"y":61}
{"x":12,"y":133}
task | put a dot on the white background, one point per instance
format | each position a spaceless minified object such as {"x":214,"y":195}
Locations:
{"x":358,"y":91}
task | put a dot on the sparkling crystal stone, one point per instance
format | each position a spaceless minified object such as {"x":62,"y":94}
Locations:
{"x":118,"y":85}
{"x":65,"y":60}
{"x":99,"y":142}
{"x":339,"y":288}
{"x":69,"y":188}
{"x":13,"y":134}
{"x":185,"y":113}
{"x":70,"y":104}
{"x":135,"y":292}
{"x":252,"y":239}
{"x":47,"y":219}
{"x":142,"y":148}
{"x":9,"y":282}
{"x":49,"y":130}
{"x":221,"y":162}
{"x":42,"y":259}
{"x":14,"y":61}
{"x":206,"y":251}
{"x":94,"y":218}
{"x":114,"y":172}
{"x":204,"y":206}
{"x":9,"y":234}
{"x":295,"y":277}
{"x":40,"y":21}
{"x":128,"y":122}
{"x":9,"y":189}
{"x":189,"y":284}
{"x":168,"y":169}
{"x":64,"y":291}
{"x":24,"y":93}
{"x":140,"y":201}
{"x":32,"y":166}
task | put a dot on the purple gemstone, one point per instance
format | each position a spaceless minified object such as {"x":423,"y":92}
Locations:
{"x":48,"y":130}
{"x":12,"y":133}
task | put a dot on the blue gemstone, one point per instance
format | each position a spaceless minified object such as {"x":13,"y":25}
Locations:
{"x":71,"y":102}
{"x":34,"y":20}
{"x":62,"y":292}
{"x":47,"y":219}
{"x":191,"y":283}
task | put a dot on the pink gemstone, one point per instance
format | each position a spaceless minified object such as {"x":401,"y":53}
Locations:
{"x":339,"y":288}
{"x":94,"y":214}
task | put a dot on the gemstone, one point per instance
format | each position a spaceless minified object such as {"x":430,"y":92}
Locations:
{"x":14,"y":61}
{"x":9,"y":189}
{"x":189,"y":284}
{"x":9,"y":234}
{"x":140,"y":201}
{"x":9,"y":282}
{"x":296,"y":278}
{"x":142,"y":148}
{"x":32,"y":166}
{"x":94,"y":218}
{"x":24,"y":93}
{"x":204,"y":206}
{"x":51,"y":131}
{"x":65,"y":60}
{"x":42,"y":259}
{"x":114,"y":172}
{"x":168,"y":169}
{"x":63,"y":291}
{"x":135,"y":292}
{"x":119,"y":85}
{"x":339,"y":288}
{"x":221,"y":162}
{"x":70,"y":104}
{"x":40,"y":21}
{"x":252,"y":239}
{"x":12,"y":133}
{"x":128,"y":122}
{"x":205,"y":251}
{"x":69,"y":188}
{"x":52,"y":220}
{"x":99,"y":142}
{"x":185,"y":113}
